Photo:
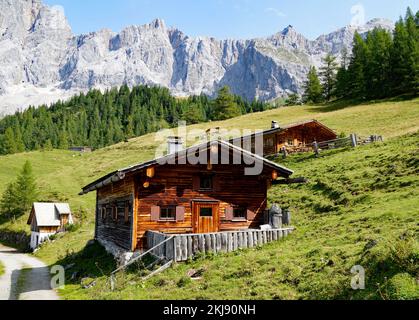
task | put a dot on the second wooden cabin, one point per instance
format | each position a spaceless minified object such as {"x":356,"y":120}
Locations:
{"x":296,"y":137}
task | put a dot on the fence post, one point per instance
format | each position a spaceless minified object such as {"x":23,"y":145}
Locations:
{"x":354,"y":140}
{"x":284,"y":152}
{"x":316,"y":148}
{"x":112,"y":282}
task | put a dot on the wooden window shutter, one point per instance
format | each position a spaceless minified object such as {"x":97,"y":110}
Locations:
{"x":126,"y":212}
{"x":155,"y":213}
{"x":196,"y":183}
{"x":115,"y":213}
{"x":229,"y":213}
{"x":180,"y":213}
{"x":251,"y":215}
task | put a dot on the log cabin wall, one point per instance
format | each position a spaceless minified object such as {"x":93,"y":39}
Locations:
{"x":48,"y":229}
{"x":176,"y":186}
{"x":303,"y":135}
{"x":115,"y":213}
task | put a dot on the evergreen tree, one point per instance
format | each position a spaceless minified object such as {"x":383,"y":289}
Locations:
{"x":63,"y":141}
{"x":292,"y":100}
{"x":193,"y":114}
{"x":377,"y":68}
{"x":313,"y":90}
{"x":48,"y":145}
{"x":101,"y":119}
{"x":225,"y":107}
{"x":20,"y":195}
{"x":9,"y":143}
{"x":356,"y":69}
{"x":328,"y":75}
{"x":8,"y":203}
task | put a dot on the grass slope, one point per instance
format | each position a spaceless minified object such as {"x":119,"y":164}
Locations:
{"x":360,"y":208}
{"x":352,"y":200}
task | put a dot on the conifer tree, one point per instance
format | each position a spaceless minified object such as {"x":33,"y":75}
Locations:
{"x":356,"y":69}
{"x":225,"y":107}
{"x":20,"y":195}
{"x":313,"y":90}
{"x":328,"y":75}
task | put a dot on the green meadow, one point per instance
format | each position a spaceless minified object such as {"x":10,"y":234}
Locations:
{"x":360,"y":207}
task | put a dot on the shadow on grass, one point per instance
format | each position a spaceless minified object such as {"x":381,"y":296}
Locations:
{"x":90,"y":263}
{"x":14,"y":239}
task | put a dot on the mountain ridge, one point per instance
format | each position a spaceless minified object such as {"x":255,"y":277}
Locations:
{"x":41,"y":60}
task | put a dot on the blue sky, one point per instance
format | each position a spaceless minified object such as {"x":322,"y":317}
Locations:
{"x":228,"y":18}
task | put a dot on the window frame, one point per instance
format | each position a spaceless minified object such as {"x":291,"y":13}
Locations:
{"x":269,"y":142}
{"x":168,"y":218}
{"x":243,"y":216}
{"x":210,"y":178}
{"x":206,"y":216}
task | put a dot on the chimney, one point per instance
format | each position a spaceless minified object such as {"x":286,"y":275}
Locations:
{"x":275,"y":125}
{"x":174,"y":145}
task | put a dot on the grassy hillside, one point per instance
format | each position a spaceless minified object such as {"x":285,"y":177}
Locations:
{"x":360,"y":207}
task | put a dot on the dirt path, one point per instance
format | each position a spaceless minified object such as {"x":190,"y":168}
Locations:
{"x":25,"y":278}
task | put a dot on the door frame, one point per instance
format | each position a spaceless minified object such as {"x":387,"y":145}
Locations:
{"x":196,"y":215}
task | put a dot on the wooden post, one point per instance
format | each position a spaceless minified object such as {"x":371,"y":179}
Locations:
{"x":316,"y":148}
{"x":284,"y":152}
{"x":354,"y":140}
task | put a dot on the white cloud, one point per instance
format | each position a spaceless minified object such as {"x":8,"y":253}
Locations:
{"x":276,"y":12}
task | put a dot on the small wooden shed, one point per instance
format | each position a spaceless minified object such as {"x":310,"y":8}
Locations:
{"x":47,"y":219}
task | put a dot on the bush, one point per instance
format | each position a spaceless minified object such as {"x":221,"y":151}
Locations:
{"x":403,"y":287}
{"x":72,"y":227}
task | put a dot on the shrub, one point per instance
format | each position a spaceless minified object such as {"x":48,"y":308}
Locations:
{"x":403,"y":287}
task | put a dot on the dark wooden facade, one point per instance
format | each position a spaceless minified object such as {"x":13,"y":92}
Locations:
{"x":181,"y":199}
{"x":294,"y":137}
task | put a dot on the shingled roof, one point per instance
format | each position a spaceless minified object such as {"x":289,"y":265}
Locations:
{"x":48,"y":214}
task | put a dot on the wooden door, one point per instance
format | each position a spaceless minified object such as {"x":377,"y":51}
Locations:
{"x":206,"y":217}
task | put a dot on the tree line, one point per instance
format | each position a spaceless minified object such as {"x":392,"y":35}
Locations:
{"x":99,"y":119}
{"x":382,"y":65}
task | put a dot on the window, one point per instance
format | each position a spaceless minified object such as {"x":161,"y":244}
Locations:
{"x":206,"y":183}
{"x":108,"y":213}
{"x":290,"y":142}
{"x":103,"y":213}
{"x":239,"y":213}
{"x":121,"y":211}
{"x":269,"y":142}
{"x":115,"y":213}
{"x":168,"y":213}
{"x":205,"y":212}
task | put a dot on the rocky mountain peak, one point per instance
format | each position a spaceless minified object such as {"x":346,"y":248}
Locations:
{"x":42,"y":61}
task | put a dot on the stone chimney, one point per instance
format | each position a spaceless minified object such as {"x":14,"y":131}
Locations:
{"x":174,"y":145}
{"x":275,"y":125}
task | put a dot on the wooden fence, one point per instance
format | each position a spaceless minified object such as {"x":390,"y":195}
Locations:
{"x":352,"y":141}
{"x":167,"y":249}
{"x":186,"y":246}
